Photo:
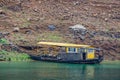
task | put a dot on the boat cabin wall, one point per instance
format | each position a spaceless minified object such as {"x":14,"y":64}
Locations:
{"x":89,"y":53}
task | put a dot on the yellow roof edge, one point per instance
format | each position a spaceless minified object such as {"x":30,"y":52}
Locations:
{"x":63,"y":44}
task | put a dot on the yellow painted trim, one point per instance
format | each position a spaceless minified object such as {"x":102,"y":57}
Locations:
{"x":64,"y":44}
{"x":66,"y":49}
{"x":76,"y":50}
{"x":91,"y":55}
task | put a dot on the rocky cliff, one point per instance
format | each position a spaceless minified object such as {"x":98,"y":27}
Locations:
{"x":26,"y":22}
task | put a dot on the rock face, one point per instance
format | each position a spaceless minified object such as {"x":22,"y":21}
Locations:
{"x":100,"y":18}
{"x":79,"y":31}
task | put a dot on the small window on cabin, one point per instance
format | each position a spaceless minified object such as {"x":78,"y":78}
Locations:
{"x":81,"y":50}
{"x":90,"y":50}
{"x":71,"y":50}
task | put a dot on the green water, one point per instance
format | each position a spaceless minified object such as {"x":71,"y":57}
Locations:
{"x":58,"y":71}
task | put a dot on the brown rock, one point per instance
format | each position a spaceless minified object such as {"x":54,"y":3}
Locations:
{"x":16,"y":29}
{"x":2,"y":12}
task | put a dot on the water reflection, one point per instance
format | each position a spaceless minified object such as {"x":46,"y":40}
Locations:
{"x":56,"y":71}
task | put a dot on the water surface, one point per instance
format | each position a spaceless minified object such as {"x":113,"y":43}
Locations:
{"x":58,"y":71}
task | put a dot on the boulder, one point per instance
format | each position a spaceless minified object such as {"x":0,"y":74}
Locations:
{"x":51,"y":27}
{"x":2,"y":12}
{"x":16,"y":29}
{"x":77,"y":27}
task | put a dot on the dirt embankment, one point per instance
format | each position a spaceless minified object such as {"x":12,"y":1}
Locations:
{"x":27,"y":22}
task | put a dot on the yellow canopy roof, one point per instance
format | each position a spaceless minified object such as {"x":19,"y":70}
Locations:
{"x":63,"y":44}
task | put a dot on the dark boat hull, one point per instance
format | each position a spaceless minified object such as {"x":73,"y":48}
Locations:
{"x":55,"y":59}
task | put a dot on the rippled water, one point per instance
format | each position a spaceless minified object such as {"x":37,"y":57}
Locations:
{"x":58,"y":71}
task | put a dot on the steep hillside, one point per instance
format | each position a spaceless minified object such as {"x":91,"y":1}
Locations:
{"x":26,"y":22}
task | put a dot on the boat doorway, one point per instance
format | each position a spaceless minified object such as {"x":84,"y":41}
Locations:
{"x":83,"y":53}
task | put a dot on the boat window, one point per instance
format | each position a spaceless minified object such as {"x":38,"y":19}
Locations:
{"x":72,"y":50}
{"x":90,"y":50}
{"x":81,"y":50}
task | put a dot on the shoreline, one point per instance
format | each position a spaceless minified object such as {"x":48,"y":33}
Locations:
{"x":111,"y":61}
{"x":104,"y":61}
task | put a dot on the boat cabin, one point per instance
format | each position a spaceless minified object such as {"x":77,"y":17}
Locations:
{"x":86,"y":53}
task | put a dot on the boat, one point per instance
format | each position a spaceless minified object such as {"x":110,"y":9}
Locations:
{"x":68,"y":53}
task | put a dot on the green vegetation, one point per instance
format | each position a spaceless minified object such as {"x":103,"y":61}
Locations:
{"x":13,"y":56}
{"x":51,"y":36}
{"x":111,"y":62}
{"x":3,"y":41}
